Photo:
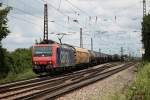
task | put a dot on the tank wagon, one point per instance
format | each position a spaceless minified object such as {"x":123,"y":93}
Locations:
{"x":82,"y":56}
{"x":48,"y":57}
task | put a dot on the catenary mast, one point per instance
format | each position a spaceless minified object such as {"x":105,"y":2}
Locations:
{"x":45,"y":21}
{"x":144,"y":8}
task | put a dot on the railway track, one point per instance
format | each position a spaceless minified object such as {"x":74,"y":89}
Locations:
{"x":49,"y":88}
{"x":7,"y":86}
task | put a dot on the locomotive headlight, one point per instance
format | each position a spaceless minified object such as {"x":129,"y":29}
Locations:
{"x":35,"y":62}
{"x":50,"y":62}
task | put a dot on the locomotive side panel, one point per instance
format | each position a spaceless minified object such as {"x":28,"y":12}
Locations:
{"x":67,"y":57}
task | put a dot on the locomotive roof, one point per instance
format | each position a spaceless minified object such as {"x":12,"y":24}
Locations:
{"x":67,"y":46}
{"x":46,"y":44}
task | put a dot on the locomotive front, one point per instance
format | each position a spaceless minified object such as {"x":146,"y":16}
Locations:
{"x":43,"y":57}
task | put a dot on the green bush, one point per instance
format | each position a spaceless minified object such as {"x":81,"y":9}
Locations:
{"x":17,"y":65}
{"x":20,"y":60}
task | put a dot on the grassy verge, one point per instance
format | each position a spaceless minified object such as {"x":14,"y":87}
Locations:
{"x":139,"y":90}
{"x":27,"y":74}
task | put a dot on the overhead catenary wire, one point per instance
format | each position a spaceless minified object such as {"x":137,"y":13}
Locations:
{"x":25,"y":20}
{"x":77,"y":7}
{"x":20,"y":10}
{"x":74,"y":11}
{"x":22,"y":19}
{"x":31,"y":6}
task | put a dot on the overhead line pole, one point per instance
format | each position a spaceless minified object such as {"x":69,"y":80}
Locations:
{"x":144,"y":8}
{"x":144,"y":14}
{"x":91,"y":44}
{"x":45,"y":22}
{"x":81,"y":38}
{"x":122,"y":51}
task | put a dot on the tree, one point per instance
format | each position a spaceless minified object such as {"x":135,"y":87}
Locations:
{"x":3,"y":33}
{"x":3,"y":22}
{"x":146,"y":36}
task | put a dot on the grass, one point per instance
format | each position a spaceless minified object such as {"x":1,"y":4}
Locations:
{"x":27,"y":74}
{"x":139,"y":90}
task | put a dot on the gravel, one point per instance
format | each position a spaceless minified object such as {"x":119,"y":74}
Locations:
{"x":100,"y":89}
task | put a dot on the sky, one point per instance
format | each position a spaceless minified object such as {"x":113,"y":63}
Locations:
{"x":111,"y":24}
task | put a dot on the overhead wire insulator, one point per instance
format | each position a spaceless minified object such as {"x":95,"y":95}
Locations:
{"x":96,"y":18}
{"x":68,"y":19}
{"x":75,"y":21}
{"x":90,"y":18}
{"x":115,"y":18}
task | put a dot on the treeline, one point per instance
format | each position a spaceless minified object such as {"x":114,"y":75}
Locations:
{"x":15,"y":62}
{"x":146,"y":36}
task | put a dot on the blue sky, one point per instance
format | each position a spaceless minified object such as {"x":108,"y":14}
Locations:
{"x":108,"y":33}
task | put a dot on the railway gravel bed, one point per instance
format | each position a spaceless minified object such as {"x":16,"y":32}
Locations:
{"x":52,"y":87}
{"x":103,"y":89}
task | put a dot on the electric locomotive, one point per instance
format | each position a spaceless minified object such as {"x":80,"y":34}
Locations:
{"x":47,"y":57}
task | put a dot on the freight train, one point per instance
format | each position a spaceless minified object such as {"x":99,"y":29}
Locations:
{"x":51,"y":56}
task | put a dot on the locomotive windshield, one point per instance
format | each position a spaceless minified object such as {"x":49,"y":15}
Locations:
{"x":42,"y":51}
